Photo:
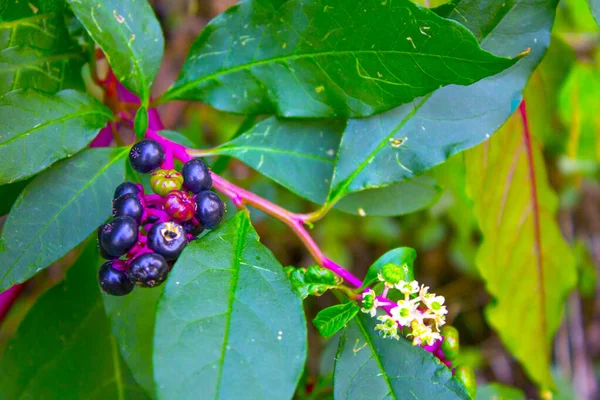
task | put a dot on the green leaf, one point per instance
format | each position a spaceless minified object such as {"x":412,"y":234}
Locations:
{"x":36,"y":49}
{"x":39,"y":129}
{"x":130,"y":36}
{"x":331,"y":319}
{"x":402,"y":198}
{"x":527,"y":266}
{"x":316,"y":59}
{"x":178,"y":138}
{"x":10,"y":193}
{"x":595,"y":8}
{"x":298,"y":155}
{"x":132,"y":319}
{"x":58,"y":210}
{"x":497,"y":391}
{"x":140,"y":124}
{"x":63,"y":349}
{"x":407,"y":141}
{"x":370,"y":367}
{"x":402,"y":256}
{"x":229,"y":325}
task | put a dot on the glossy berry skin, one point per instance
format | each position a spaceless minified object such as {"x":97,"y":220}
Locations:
{"x":128,"y":205}
{"x":167,"y":239}
{"x":146,"y":156}
{"x":196,"y":176}
{"x":126,"y":188}
{"x":209,"y":209}
{"x":114,"y":281}
{"x":118,"y":236}
{"x":165,"y":181}
{"x":179,"y":205}
{"x":192,"y":229}
{"x":148,"y":270}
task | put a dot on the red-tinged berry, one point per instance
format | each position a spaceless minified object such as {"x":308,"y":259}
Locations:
{"x":209,"y":209}
{"x":126,"y":188}
{"x":164,"y":181}
{"x":167,"y":239}
{"x":118,"y":236}
{"x":146,"y":156}
{"x":128,"y":205}
{"x":148,"y":270}
{"x":113,"y":279}
{"x":179,"y":205}
{"x":196,"y":176}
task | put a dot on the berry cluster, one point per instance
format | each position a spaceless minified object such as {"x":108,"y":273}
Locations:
{"x":149,"y":232}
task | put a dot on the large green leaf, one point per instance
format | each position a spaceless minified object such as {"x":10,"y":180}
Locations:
{"x":405,"y":142}
{"x":229,"y":325}
{"x":130,"y":36}
{"x":527,"y":266}
{"x":39,"y":129}
{"x":368,"y":366}
{"x":36,"y":49}
{"x":58,"y":210}
{"x":10,"y":193}
{"x":132,"y":319}
{"x":317,"y":59}
{"x":64,"y":349}
{"x":401,"y":256}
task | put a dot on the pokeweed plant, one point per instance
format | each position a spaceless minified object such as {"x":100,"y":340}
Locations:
{"x":361,"y":99}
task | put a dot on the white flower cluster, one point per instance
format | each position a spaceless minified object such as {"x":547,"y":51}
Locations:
{"x":423,"y":312}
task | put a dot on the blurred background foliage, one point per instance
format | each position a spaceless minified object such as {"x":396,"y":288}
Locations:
{"x":563,"y":100}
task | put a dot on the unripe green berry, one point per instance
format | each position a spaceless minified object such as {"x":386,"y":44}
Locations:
{"x":316,"y":274}
{"x":164,"y":181}
{"x":368,"y":301}
{"x":392,"y":273}
{"x":467,"y":377}
{"x":450,"y":344}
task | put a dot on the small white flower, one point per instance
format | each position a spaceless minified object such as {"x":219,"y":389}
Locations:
{"x":424,"y":292}
{"x":408,"y":288}
{"x":405,"y":313}
{"x":388,"y":327}
{"x":423,"y":334}
{"x":370,"y":303}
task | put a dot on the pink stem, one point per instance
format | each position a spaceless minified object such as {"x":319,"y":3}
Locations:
{"x":7,"y":299}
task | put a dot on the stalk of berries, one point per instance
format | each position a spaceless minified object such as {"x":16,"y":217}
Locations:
{"x":149,"y":231}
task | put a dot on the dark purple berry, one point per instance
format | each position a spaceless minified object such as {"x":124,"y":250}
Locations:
{"x":114,"y":281}
{"x":196,"y":176}
{"x":209,"y":209}
{"x":128,"y":205}
{"x":148,"y":270}
{"x":192,"y":229}
{"x":167,"y":239}
{"x":126,"y":188}
{"x":118,"y":236}
{"x":146,"y":156}
{"x":102,"y":252}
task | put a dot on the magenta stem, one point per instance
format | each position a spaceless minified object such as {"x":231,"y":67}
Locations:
{"x":7,"y":299}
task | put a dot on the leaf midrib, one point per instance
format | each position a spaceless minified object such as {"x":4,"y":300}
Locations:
{"x":176,"y":90}
{"x":232,"y":150}
{"x":77,"y":194}
{"x":241,"y":231}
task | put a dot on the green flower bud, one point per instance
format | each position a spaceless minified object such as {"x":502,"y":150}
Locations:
{"x":368,"y":301}
{"x":392,"y":273}
{"x":164,"y":181}
{"x":450,"y":344}
{"x":467,"y":377}
{"x":316,"y":274}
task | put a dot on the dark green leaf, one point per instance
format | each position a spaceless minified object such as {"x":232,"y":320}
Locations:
{"x":331,"y":319}
{"x":497,"y":391}
{"x":63,"y":349}
{"x":312,"y":281}
{"x":401,"y":198}
{"x":140,"y":124}
{"x":316,"y":59}
{"x":36,"y":49}
{"x":409,"y":140}
{"x":229,"y":325}
{"x":58,"y":210}
{"x":10,"y":193}
{"x":39,"y":129}
{"x":402,"y":256}
{"x":177,"y":138}
{"x":132,"y":319}
{"x":299,"y":155}
{"x":130,"y":36}
{"x":370,"y":367}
